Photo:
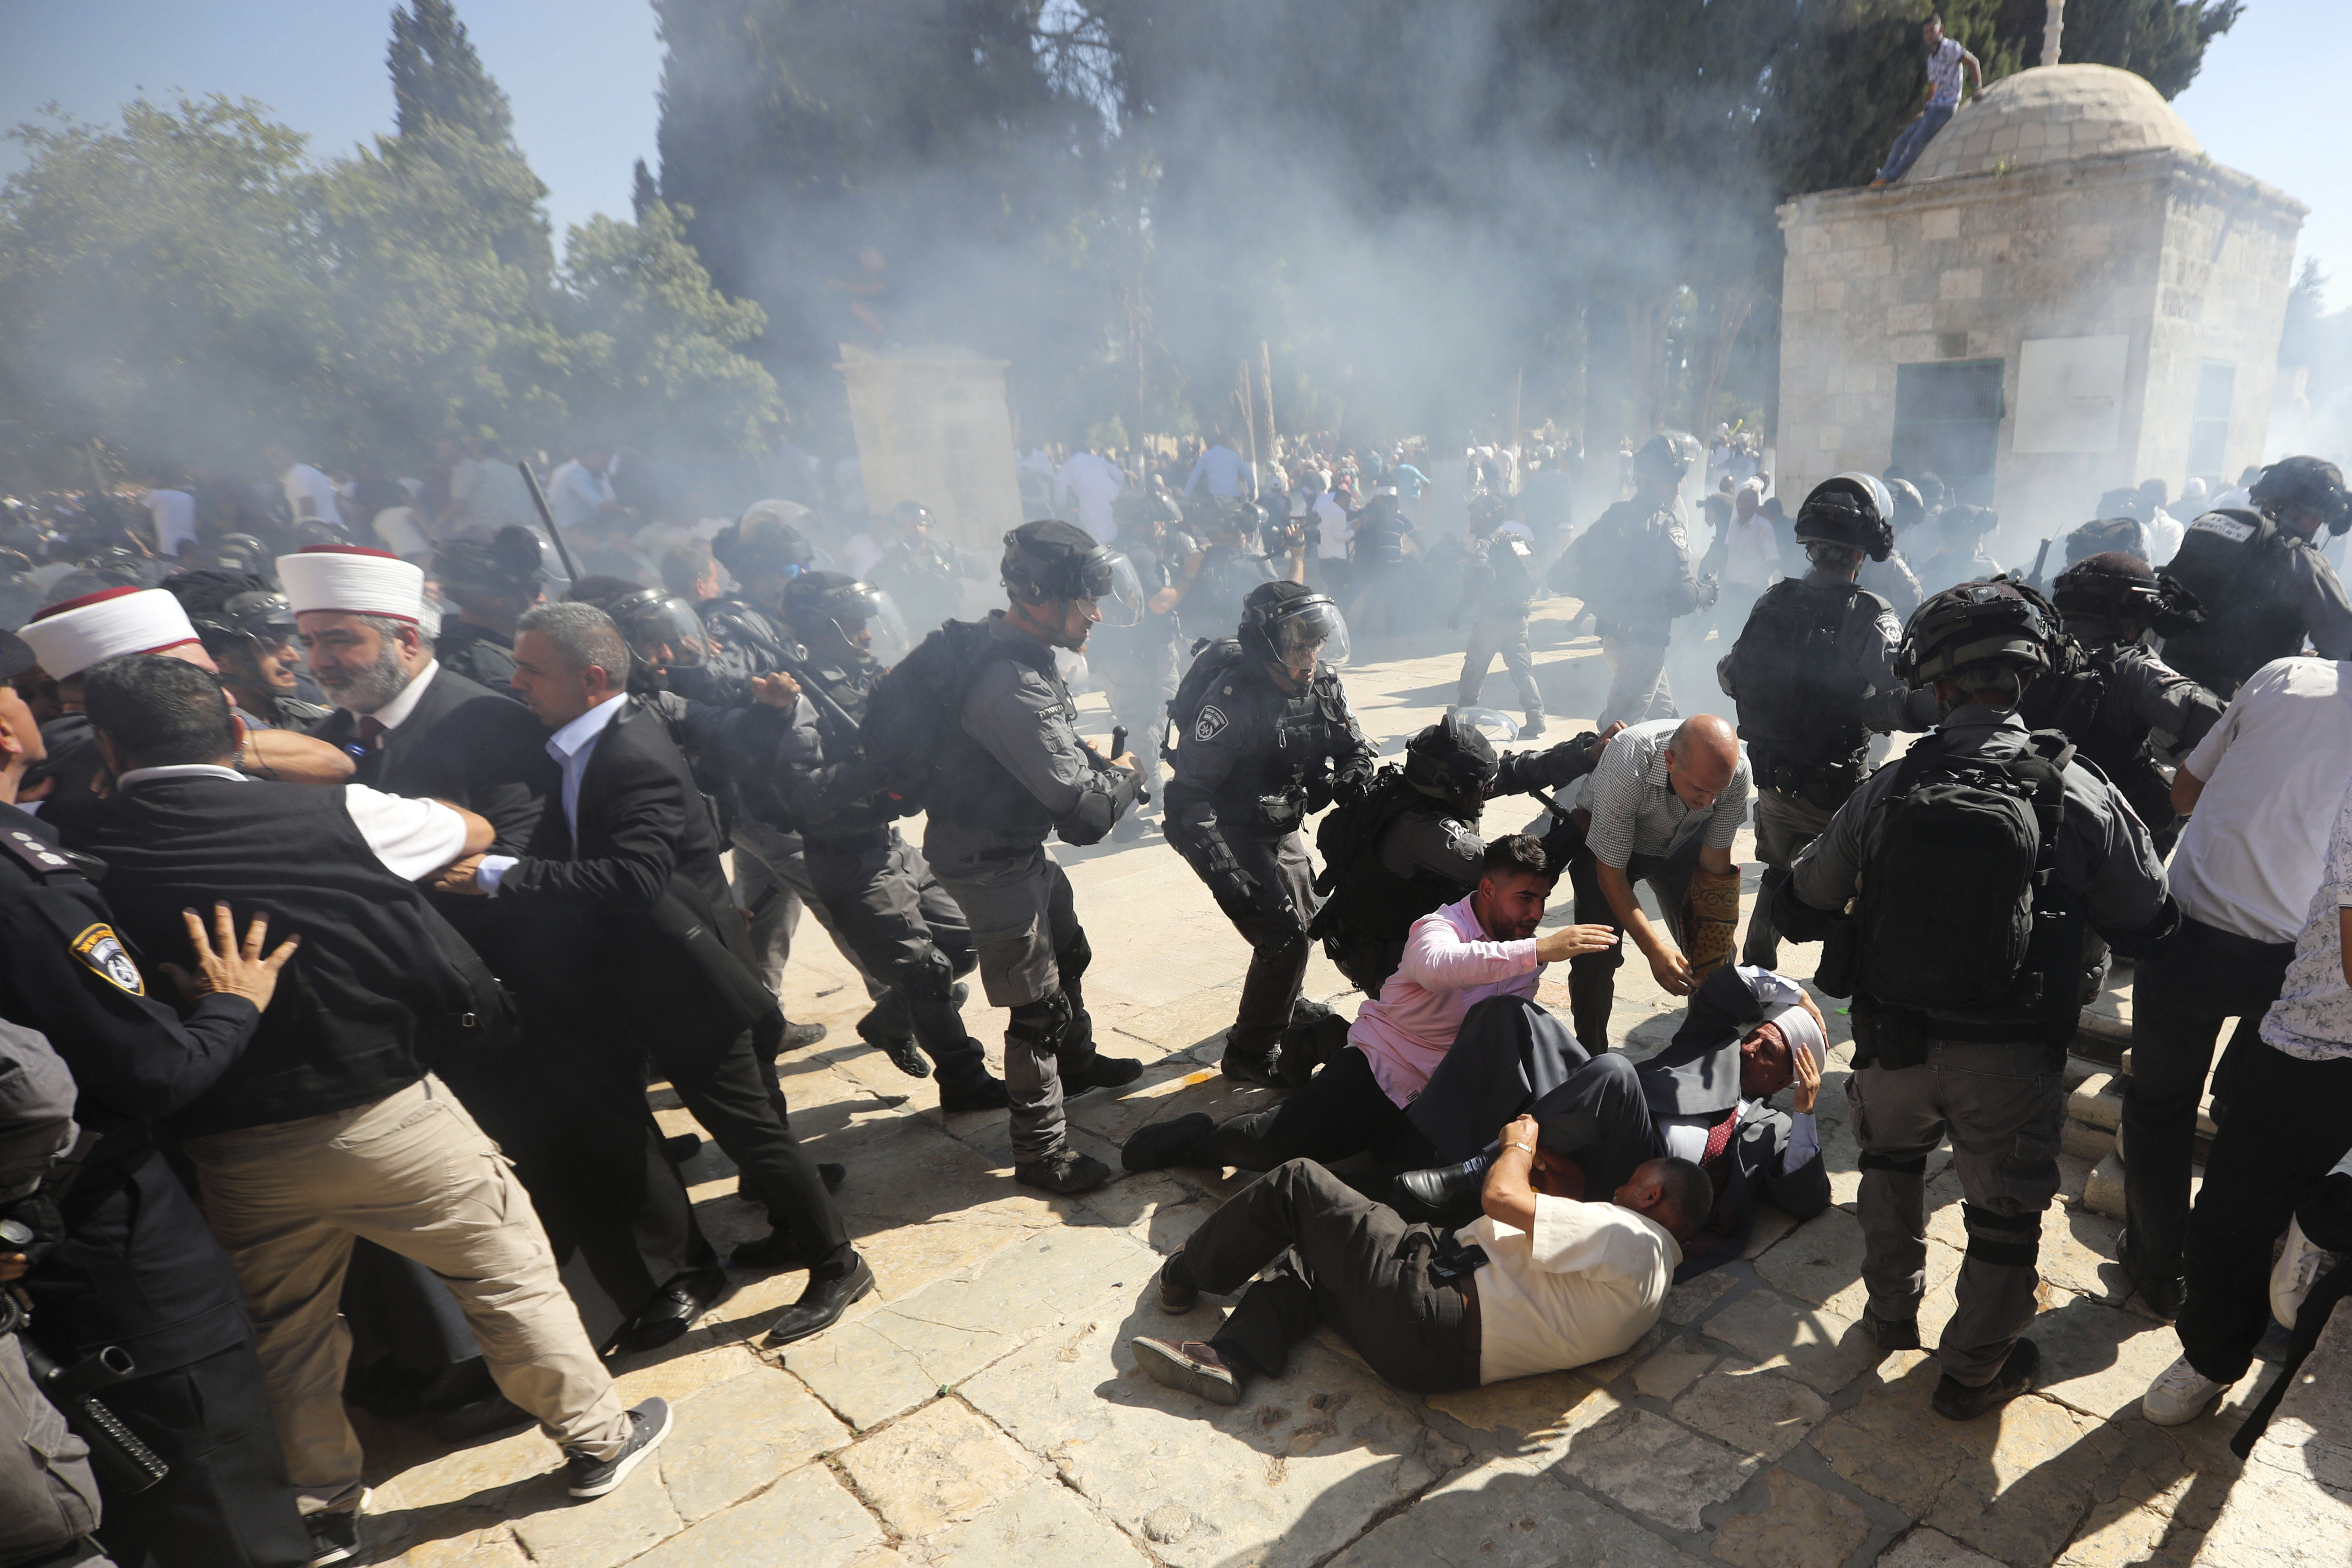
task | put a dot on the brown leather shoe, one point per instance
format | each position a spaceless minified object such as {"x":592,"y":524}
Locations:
{"x":1178,"y":1293}
{"x":1190,"y":1366}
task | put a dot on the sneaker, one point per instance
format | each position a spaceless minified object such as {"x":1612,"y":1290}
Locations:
{"x":2299,"y":1266}
{"x":1065,"y":1170}
{"x":1190,"y":1366}
{"x":335,"y":1537}
{"x":2180,"y":1394}
{"x":584,"y":1475}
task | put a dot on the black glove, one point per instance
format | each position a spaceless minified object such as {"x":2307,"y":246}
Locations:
{"x":35,"y":1212}
{"x":1354,"y":783}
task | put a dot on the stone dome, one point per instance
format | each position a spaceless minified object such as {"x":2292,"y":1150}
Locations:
{"x":2054,"y":114}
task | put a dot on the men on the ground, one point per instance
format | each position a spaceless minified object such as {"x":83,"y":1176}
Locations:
{"x":1633,"y":570}
{"x":1947,"y":63}
{"x":1409,"y":842}
{"x":1011,"y":770}
{"x":2258,"y":573}
{"x":2259,"y":792}
{"x":2111,"y":694}
{"x":1664,"y":806}
{"x":641,"y":891}
{"x":1484,"y":945}
{"x":130,"y":1261}
{"x":329,"y":1125}
{"x":876,"y":885}
{"x":1501,"y":577}
{"x":1980,"y":868}
{"x":575,"y":1124}
{"x":492,"y":586}
{"x":1813,"y":675}
{"x":1267,"y":739}
{"x":1541,"y":1282}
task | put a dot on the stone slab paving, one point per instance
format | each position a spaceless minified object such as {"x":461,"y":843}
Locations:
{"x":981,"y":1407}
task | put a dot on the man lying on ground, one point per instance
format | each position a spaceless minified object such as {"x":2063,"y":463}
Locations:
{"x":1541,"y":1282}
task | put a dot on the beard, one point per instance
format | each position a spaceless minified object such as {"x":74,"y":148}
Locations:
{"x":370,"y":690}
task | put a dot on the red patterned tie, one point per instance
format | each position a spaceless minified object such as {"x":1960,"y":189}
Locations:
{"x":1718,"y":1139}
{"x":371,"y":732}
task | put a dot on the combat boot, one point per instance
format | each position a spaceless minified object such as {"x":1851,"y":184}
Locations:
{"x":1065,"y":1170}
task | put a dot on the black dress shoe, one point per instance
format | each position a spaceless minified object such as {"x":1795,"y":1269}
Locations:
{"x":831,"y":1174}
{"x":1166,"y":1143}
{"x":1959,"y":1402}
{"x":673,"y":1307}
{"x":1443,"y":1195}
{"x":822,"y":1304}
{"x":799,"y":1037}
{"x":678,"y":1151}
{"x":774,"y":1253}
{"x":987,"y":1094}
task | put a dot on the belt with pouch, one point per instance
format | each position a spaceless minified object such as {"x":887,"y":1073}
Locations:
{"x":1456,"y":1263}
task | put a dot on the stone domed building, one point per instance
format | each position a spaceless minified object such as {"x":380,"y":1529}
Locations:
{"x":2063,"y":295}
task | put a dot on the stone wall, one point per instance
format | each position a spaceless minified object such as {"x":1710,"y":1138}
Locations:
{"x":932,"y":425}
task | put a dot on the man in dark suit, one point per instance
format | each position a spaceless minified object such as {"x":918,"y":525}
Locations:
{"x":575,"y":1123}
{"x":650,"y":917}
{"x":1748,"y":1034}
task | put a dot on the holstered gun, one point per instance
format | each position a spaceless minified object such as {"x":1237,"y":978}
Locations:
{"x":115,"y":1451}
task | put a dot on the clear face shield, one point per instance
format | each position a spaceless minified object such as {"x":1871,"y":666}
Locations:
{"x":868,"y":619}
{"x":1309,"y":632}
{"x":1117,"y":591}
{"x":666,"y":633}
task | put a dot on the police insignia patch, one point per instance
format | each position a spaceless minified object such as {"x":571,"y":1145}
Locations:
{"x":1211,"y":724}
{"x":102,"y":950}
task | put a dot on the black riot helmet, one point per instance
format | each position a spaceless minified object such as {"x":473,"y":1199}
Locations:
{"x":662,"y":630}
{"x":120,"y":566}
{"x":1660,"y":457}
{"x":2115,"y":586}
{"x":233,"y":612}
{"x":1293,"y":626}
{"x":507,"y":567}
{"x":765,"y":542}
{"x":1050,"y":559}
{"x":1453,"y":761}
{"x":1910,"y":508}
{"x":862,"y":617}
{"x":909,"y":515}
{"x":1990,"y":633}
{"x":2311,"y":482}
{"x":1853,"y":510}
{"x":2106,"y":535}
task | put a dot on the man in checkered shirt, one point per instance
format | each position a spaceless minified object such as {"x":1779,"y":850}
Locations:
{"x":1947,"y":60}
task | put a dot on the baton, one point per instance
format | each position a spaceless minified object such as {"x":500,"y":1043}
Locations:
{"x":1559,"y":814}
{"x":547,"y":519}
{"x":1118,"y":750}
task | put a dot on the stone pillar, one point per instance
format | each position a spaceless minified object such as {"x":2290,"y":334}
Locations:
{"x":932,"y":425}
{"x":2053,"y":28}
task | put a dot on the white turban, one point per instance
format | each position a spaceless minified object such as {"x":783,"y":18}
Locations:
{"x":352,"y":581}
{"x":71,"y":637}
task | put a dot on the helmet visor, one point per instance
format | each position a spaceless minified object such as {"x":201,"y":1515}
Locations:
{"x":1115,"y":590}
{"x":868,"y":619}
{"x":666,"y":633}
{"x":266,"y":617}
{"x":1309,"y":631}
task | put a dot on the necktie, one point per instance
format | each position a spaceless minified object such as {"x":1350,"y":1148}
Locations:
{"x":1718,"y":1139}
{"x":371,"y":732}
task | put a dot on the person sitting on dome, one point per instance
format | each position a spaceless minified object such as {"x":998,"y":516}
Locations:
{"x":1945,"y":62}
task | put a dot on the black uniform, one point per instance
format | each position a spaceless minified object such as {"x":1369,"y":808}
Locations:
{"x":1633,"y":570}
{"x":139,"y":1268}
{"x":889,"y":906}
{"x":1499,"y":579}
{"x":927,"y":579}
{"x":1254,"y":762}
{"x":2118,"y":702}
{"x":2265,"y":590}
{"x":482,"y":656}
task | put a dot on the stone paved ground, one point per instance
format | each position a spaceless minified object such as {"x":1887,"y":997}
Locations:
{"x":981,"y":1407}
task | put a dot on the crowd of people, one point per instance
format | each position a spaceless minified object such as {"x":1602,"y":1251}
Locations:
{"x":368,"y":856}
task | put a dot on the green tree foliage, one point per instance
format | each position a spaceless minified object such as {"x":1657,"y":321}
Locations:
{"x":448,"y":112}
{"x":2163,"y":40}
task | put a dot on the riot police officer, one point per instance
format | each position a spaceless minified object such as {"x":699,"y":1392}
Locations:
{"x":876,"y":885}
{"x":1227,"y":572}
{"x":248,"y":629}
{"x":763,"y":552}
{"x":1499,"y":580}
{"x":1633,"y":570}
{"x":922,"y":571}
{"x":1010,"y":770}
{"x":1813,"y":675}
{"x":492,"y":586}
{"x":2114,"y":699}
{"x":1410,"y":843}
{"x":1983,"y":869}
{"x":2261,"y":580}
{"x":1267,"y":738}
{"x":1893,"y":579}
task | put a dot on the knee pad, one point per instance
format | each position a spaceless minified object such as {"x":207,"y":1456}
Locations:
{"x":1042,"y":1024}
{"x":1072,"y":958}
{"x":1870,"y":1161}
{"x":928,"y":978}
{"x":2016,"y":1245}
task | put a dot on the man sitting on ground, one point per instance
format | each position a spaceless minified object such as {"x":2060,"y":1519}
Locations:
{"x":1479,"y":947}
{"x":1540,"y":1283}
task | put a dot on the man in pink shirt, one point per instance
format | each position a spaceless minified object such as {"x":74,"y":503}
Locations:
{"x":1482,"y":948}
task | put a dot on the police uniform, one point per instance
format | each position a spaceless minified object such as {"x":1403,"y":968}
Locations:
{"x":2116,"y":700}
{"x":481,"y":653}
{"x":1807,"y":712}
{"x":2265,"y":590}
{"x":1253,"y":762}
{"x":876,"y":885}
{"x":1633,"y":570}
{"x":138,"y":1268}
{"x":1011,"y":771}
{"x":926,"y":579}
{"x":1500,"y":580}
{"x":1989,"y":1080}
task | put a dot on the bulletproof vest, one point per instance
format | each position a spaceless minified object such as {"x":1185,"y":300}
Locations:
{"x":2078,"y":700}
{"x":1287,"y":773}
{"x":1964,"y":932}
{"x":849,"y":683}
{"x":1511,"y":571}
{"x":1800,"y":703}
{"x":1381,"y":543}
{"x":1368,"y":904}
{"x":477,"y":653}
{"x":358,"y":1008}
{"x":2235,"y":563}
{"x":1624,"y":567}
{"x":968,"y":785}
{"x":745,"y":640}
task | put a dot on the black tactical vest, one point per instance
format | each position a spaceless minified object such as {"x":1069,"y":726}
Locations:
{"x":971,"y":787}
{"x":2235,"y":563}
{"x":1800,"y":703}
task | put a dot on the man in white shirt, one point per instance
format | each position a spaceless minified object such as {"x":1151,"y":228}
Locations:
{"x":172,"y":511}
{"x":1947,"y":60}
{"x":1094,"y":481}
{"x":2260,"y":792}
{"x":309,"y":494}
{"x":1541,"y":1282}
{"x":578,"y":494}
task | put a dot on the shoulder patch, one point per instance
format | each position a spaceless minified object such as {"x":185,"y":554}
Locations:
{"x":101,"y":951}
{"x":2228,"y":527}
{"x":1211,"y":724}
{"x":41,"y":856}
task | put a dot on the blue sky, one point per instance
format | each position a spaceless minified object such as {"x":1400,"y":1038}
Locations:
{"x":583,"y":75}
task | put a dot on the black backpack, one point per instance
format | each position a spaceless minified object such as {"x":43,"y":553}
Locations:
{"x":1960,"y":850}
{"x":1212,"y":661}
{"x":919,"y":699}
{"x":1796,"y":695}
